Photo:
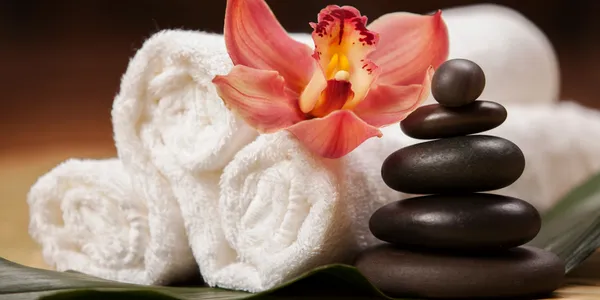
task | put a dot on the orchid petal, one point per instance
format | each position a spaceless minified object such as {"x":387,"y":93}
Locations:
{"x":335,"y":135}
{"x":342,"y":43}
{"x":409,"y":43}
{"x":259,"y":97}
{"x":255,"y":39}
{"x":389,"y":104}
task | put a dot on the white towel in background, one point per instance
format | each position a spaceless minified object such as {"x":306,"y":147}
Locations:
{"x":174,"y":135}
{"x":561,"y":144}
{"x":285,"y":211}
{"x":87,"y":218}
{"x":519,"y":61}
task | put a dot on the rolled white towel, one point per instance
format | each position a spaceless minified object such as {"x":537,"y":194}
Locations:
{"x":160,"y":117}
{"x":561,"y":143}
{"x":87,"y":218}
{"x":174,"y":135}
{"x":284,"y":211}
{"x":519,"y":62}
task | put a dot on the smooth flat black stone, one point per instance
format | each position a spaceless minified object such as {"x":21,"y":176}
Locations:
{"x":469,"y":222}
{"x":436,"y":121}
{"x":457,"y":82}
{"x":518,"y":272}
{"x":475,"y":163}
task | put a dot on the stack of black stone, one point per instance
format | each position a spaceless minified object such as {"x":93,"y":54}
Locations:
{"x":457,"y":241}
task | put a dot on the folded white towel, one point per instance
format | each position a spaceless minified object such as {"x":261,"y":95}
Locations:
{"x":172,"y":133}
{"x":87,"y":218}
{"x":284,"y":211}
{"x":561,"y":144}
{"x":518,"y":59}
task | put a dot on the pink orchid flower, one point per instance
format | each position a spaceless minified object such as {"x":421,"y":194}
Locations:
{"x":357,"y":79}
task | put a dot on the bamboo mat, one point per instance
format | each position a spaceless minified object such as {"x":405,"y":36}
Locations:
{"x":19,"y":170}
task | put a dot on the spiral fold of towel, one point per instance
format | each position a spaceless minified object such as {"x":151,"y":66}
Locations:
{"x":284,"y":211}
{"x":87,"y":218}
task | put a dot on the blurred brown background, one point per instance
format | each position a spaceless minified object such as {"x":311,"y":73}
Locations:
{"x":62,"y":60}
{"x":61,"y":63}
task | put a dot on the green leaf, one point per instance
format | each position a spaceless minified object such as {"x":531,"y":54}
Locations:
{"x":571,"y":230}
{"x":333,"y":282}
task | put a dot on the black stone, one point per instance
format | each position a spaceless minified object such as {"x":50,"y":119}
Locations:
{"x":465,"y":164}
{"x":435,"y":121}
{"x":518,"y":272}
{"x":470,"y":222}
{"x":457,"y":82}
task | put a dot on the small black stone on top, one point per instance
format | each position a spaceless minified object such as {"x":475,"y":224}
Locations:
{"x":457,"y":82}
{"x":436,"y":121}
{"x":466,"y":222}
{"x":466,"y":164}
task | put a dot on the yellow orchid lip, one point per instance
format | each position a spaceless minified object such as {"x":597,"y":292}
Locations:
{"x":358,"y":78}
{"x":342,"y":43}
{"x":336,"y":64}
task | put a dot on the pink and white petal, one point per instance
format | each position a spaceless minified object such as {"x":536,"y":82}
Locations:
{"x":342,"y":42}
{"x":255,"y":39}
{"x":335,"y":135}
{"x":362,"y":78}
{"x":389,"y":104}
{"x":259,"y":97}
{"x":312,"y":92}
{"x":342,"y":31}
{"x":409,"y":44}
